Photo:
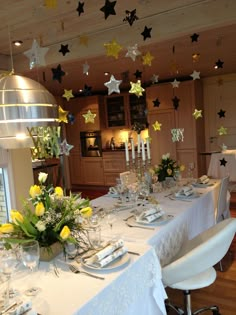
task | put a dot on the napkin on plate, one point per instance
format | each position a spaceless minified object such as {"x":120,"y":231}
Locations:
{"x":107,"y":255}
{"x":204,"y":179}
{"x":184,"y":191}
{"x":150,"y":214}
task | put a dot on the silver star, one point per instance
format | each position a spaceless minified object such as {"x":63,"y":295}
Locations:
{"x":86,"y":67}
{"x":175,"y":83}
{"x":113,"y":85}
{"x":65,"y":147}
{"x":133,"y":52}
{"x":36,"y":55}
{"x":195,"y":75}
{"x":154,"y":78}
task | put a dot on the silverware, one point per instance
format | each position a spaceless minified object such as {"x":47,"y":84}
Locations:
{"x":131,"y":216}
{"x":55,"y":269}
{"x":11,"y":306}
{"x":76,"y":270}
{"x":140,"y":227}
{"x":185,"y":200}
{"x":133,"y":253}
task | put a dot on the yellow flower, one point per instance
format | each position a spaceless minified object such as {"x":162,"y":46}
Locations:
{"x":6,"y":228}
{"x":59,"y":191}
{"x":182,"y":168}
{"x":39,"y":209}
{"x":42,"y":177}
{"x":169,"y":171}
{"x":16,"y":217}
{"x":65,"y":232}
{"x":34,"y":191}
{"x":86,"y":212}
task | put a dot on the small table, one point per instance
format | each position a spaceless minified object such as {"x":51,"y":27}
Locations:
{"x":223,"y":164}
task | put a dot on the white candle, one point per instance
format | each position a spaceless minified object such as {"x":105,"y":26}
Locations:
{"x":143,"y":151}
{"x":126,"y":151}
{"x":148,"y":149}
{"x":139,"y":141}
{"x":132,"y":148}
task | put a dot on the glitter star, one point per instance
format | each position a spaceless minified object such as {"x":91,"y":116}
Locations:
{"x":80,"y":8}
{"x":194,"y":37}
{"x":197,"y":113}
{"x":113,"y":48}
{"x":221,"y":113}
{"x":57,"y":73}
{"x":156,"y":103}
{"x":157,"y":126}
{"x":113,"y":85}
{"x":36,"y":55}
{"x":195,"y":75}
{"x":175,"y":83}
{"x":64,"y":49}
{"x":223,"y":162}
{"x":154,"y":78}
{"x":146,"y":32}
{"x":222,"y":131}
{"x":62,"y":115}
{"x":133,"y":52}
{"x":136,"y":88}
{"x":108,"y":8}
{"x":89,"y":117}
{"x":68,"y":94}
{"x":147,"y":59}
{"x":83,"y":40}
{"x":65,"y":147}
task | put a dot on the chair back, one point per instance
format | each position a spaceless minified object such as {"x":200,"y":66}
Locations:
{"x":200,"y":253}
{"x":222,"y":199}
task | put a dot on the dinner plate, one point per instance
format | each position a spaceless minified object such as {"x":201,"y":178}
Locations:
{"x":115,"y":264}
{"x":200,"y":185}
{"x":162,"y":220}
{"x":183,"y":197}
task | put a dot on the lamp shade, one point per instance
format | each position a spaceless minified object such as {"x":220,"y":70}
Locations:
{"x":23,"y":103}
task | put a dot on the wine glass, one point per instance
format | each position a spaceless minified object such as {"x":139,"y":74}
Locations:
{"x":111,"y":219}
{"x":30,"y":259}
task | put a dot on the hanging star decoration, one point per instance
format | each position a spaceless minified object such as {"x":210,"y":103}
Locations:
{"x":65,"y":148}
{"x":89,"y":117}
{"x":146,"y":32}
{"x":197,"y":114}
{"x":195,"y":57}
{"x":86,"y":67}
{"x":154,"y":78}
{"x":195,"y":75}
{"x":175,"y":101}
{"x":219,"y":64}
{"x":130,"y":17}
{"x":62,"y":115}
{"x":136,"y":88}
{"x":36,"y":55}
{"x":68,"y":94}
{"x":58,"y":73}
{"x":108,"y":8}
{"x":138,"y":74}
{"x":113,"y":85}
{"x":156,"y":103}
{"x":113,"y":49}
{"x":83,"y":40}
{"x":133,"y":52}
{"x":175,"y":84}
{"x":50,"y":4}
{"x":64,"y":49}
{"x":221,"y":113}
{"x":147,"y":59}
{"x":223,"y":162}
{"x":157,"y":126}
{"x":194,"y":37}
{"x":177,"y":134}
{"x":87,"y":91}
{"x":80,"y":8}
{"x":222,"y":131}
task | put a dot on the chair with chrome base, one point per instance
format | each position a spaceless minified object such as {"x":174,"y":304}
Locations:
{"x":192,"y":268}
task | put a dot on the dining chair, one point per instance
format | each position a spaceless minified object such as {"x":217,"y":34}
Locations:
{"x":222,"y":210}
{"x":192,"y":268}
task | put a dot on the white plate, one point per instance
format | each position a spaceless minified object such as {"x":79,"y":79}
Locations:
{"x":163,"y":219}
{"x":199,"y":185}
{"x":115,"y":264}
{"x":183,"y":197}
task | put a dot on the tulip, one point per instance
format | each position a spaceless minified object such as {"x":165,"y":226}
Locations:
{"x":40,"y":225}
{"x":42,"y":177}
{"x":6,"y":228}
{"x":34,"y":191}
{"x":59,"y":191}
{"x":86,"y":212}
{"x":16,"y":217}
{"x":39,"y":209}
{"x":65,"y":232}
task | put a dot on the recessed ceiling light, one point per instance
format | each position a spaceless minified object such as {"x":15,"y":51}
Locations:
{"x":17,"y":43}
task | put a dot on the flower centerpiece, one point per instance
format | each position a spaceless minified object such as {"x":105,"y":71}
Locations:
{"x":47,"y":216}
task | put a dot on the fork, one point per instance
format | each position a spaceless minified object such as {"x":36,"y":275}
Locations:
{"x":76,"y":270}
{"x":140,"y":227}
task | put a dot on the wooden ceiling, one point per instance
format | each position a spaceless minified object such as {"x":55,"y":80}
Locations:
{"x":172,"y":23}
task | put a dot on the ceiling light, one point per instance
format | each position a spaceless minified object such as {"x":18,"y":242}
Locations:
{"x":106,"y":73}
{"x":17,"y":42}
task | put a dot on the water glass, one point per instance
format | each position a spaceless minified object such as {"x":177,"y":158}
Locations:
{"x":94,"y":234}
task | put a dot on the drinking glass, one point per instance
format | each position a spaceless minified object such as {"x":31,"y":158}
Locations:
{"x":111,"y":219}
{"x":30,"y":259}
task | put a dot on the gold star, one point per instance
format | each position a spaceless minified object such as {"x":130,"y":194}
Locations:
{"x":136,"y":88}
{"x":62,"y":115}
{"x":156,"y":126}
{"x":68,"y":94}
{"x":83,"y":40}
{"x":147,"y":59}
{"x":222,"y":131}
{"x":113,"y":48}
{"x":89,"y":117}
{"x":197,"y":113}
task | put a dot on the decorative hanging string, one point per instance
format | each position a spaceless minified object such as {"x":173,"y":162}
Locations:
{"x":10,"y":46}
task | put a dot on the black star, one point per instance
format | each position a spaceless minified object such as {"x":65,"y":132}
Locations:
{"x":219,"y":64}
{"x":175,"y":101}
{"x":156,"y":102}
{"x":108,"y":8}
{"x":221,"y":113}
{"x":138,"y":74}
{"x":80,"y":8}
{"x":223,"y":162}
{"x":87,"y":90}
{"x":194,"y":37}
{"x":130,"y":17}
{"x":64,"y":49}
{"x":146,"y":32}
{"x":57,"y":73}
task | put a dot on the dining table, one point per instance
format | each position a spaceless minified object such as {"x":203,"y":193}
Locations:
{"x":132,"y":286}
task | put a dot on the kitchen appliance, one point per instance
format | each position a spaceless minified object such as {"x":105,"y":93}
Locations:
{"x":91,"y":143}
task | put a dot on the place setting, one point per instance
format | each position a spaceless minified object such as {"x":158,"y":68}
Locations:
{"x":185,"y":193}
{"x":203,"y":182}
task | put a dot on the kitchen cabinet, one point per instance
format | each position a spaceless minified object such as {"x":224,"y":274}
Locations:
{"x":92,"y":171}
{"x":113,"y":164}
{"x":75,"y":168}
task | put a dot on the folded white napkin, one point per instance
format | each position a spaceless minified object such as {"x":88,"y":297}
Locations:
{"x":24,"y":308}
{"x":204,"y":179}
{"x":184,"y":191}
{"x":150,"y":214}
{"x":108,"y":254}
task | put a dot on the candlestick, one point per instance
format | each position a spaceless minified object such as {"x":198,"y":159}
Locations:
{"x":148,"y":149}
{"x":126,"y":151}
{"x":132,"y":148}
{"x":143,"y":151}
{"x":139,"y":141}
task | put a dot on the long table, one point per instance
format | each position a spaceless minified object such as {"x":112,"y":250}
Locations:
{"x":135,"y":288}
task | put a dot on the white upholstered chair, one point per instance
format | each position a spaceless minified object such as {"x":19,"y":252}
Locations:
{"x":222,"y":210}
{"x":192,"y":268}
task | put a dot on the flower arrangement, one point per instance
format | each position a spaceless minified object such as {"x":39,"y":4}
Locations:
{"x":167,"y":168}
{"x":47,"y":216}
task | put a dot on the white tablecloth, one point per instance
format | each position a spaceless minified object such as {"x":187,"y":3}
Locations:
{"x":216,"y":170}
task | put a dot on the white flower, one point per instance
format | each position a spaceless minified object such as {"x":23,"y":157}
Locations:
{"x":42,"y":177}
{"x":165,"y":156}
{"x":40,"y":225}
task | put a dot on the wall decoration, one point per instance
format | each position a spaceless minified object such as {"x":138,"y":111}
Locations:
{"x":136,"y":88}
{"x":223,"y":162}
{"x":147,"y":59}
{"x":133,"y":52}
{"x":156,"y":103}
{"x":177,"y":134}
{"x":68,"y":94}
{"x":80,"y":8}
{"x":138,"y":74}
{"x":36,"y":55}
{"x":146,"y":32}
{"x":194,"y":37}
{"x":197,"y":114}
{"x":175,"y":83}
{"x":130,"y":17}
{"x":222,"y":131}
{"x":89,"y":117}
{"x":154,"y":78}
{"x":58,"y":73}
{"x":86,"y":67}
{"x":113,"y":85}
{"x":157,"y":126}
{"x":113,"y":48}
{"x":195,"y":75}
{"x":175,"y":101}
{"x":62,"y":115}
{"x":219,"y":64}
{"x":64,"y":49}
{"x":65,"y":148}
{"x":221,"y":113}
{"x":108,"y":8}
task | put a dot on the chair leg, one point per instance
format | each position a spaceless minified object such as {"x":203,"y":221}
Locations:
{"x":175,"y":308}
{"x":213,"y":308}
{"x":187,"y":302}
{"x":221,"y":267}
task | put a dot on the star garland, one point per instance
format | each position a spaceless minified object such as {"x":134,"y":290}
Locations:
{"x":89,"y":117}
{"x":113,"y":48}
{"x":136,"y":88}
{"x":157,"y":126}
